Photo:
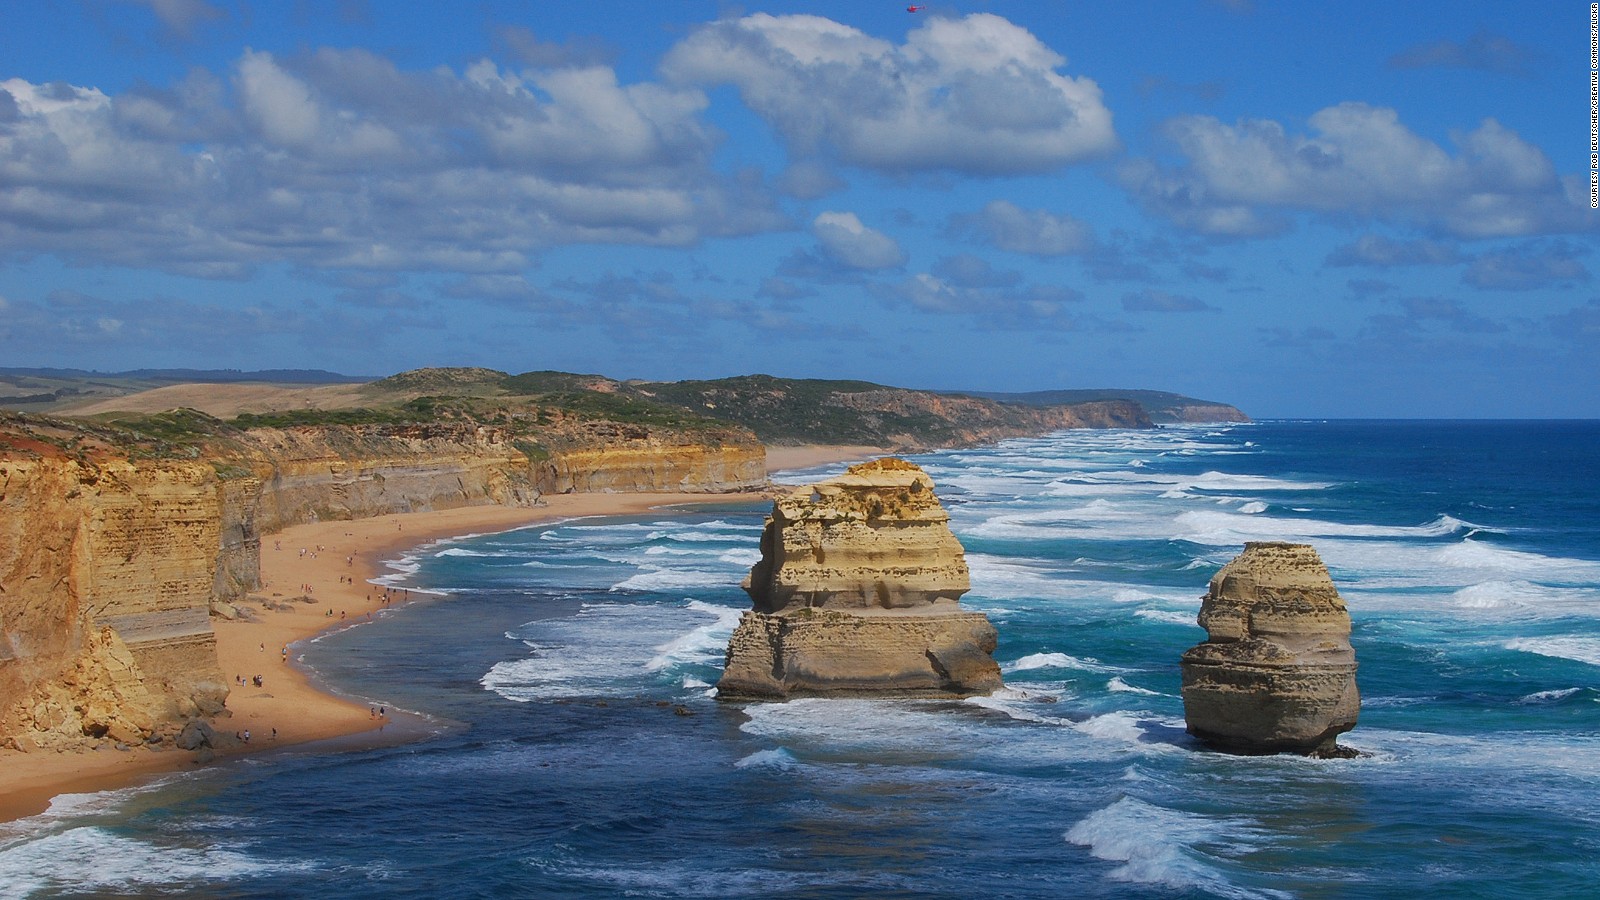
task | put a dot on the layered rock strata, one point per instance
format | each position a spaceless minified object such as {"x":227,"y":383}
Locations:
{"x":107,"y":570}
{"x":110,"y":564}
{"x":1276,"y":673}
{"x":857,"y":593}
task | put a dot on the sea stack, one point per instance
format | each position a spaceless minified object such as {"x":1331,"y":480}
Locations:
{"x":856,"y":594}
{"x":1276,"y":673}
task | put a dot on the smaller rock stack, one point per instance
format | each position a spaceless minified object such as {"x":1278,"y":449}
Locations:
{"x":856,"y":594}
{"x":1276,"y":673}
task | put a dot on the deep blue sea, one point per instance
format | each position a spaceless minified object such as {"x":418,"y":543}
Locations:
{"x":566,"y":671}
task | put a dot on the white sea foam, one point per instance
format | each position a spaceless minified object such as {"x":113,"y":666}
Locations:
{"x":1058,"y":661}
{"x":1013,"y":705}
{"x":1166,"y":615}
{"x":103,"y":862}
{"x":671,"y":551}
{"x":462,"y":551}
{"x":611,"y":649}
{"x":742,"y":558}
{"x":1161,"y":846}
{"x":1117,"y":685}
{"x":705,"y":644}
{"x":670,"y":580}
{"x":1549,"y":696}
{"x":777,"y":758}
{"x":1253,"y":507}
{"x":1579,"y":649}
{"x":1114,"y":726}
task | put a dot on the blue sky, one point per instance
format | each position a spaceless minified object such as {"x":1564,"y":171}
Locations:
{"x":1357,"y":209}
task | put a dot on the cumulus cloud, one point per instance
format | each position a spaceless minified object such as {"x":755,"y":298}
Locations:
{"x":1483,"y":51}
{"x":340,"y":158}
{"x":1360,"y":161}
{"x":996,"y":300}
{"x":1036,"y":232}
{"x":1527,"y":267}
{"x":976,"y":95}
{"x":844,"y":240}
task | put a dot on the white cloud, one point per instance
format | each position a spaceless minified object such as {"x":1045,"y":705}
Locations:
{"x":995,"y":301}
{"x":1360,"y":160}
{"x":339,"y":158}
{"x":977,"y":95}
{"x":1033,"y":231}
{"x":279,"y":104}
{"x":853,"y":245}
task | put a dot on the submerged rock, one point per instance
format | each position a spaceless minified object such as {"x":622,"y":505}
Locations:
{"x":857,"y":592}
{"x":1277,"y":673}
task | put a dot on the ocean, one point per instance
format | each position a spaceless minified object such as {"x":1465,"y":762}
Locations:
{"x":572,"y":746}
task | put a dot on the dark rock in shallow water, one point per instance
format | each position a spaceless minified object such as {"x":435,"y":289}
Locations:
{"x":1277,"y":673}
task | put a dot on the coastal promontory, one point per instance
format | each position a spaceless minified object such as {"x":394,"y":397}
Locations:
{"x":857,"y":594}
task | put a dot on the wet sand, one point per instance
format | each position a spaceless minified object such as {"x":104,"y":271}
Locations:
{"x":339,"y":561}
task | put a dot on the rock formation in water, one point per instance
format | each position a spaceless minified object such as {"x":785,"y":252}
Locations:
{"x":1276,"y":672}
{"x":857,"y":594}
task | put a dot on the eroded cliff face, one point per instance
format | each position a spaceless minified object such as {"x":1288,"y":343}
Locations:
{"x":873,"y":538}
{"x":109,"y":565}
{"x":856,"y":593}
{"x":107,"y":569}
{"x":322,"y":473}
{"x":1277,"y":672}
{"x":607,"y":456}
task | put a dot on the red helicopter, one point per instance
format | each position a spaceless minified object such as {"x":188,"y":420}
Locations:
{"x":913,"y":9}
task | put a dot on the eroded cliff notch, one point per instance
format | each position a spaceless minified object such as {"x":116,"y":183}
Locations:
{"x":857,"y":592}
{"x":1277,"y":673}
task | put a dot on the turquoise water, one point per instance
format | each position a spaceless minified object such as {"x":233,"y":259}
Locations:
{"x":577,"y":750}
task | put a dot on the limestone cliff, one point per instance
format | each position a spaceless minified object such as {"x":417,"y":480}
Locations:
{"x":1277,"y":672}
{"x":106,"y":576}
{"x":113,"y":545}
{"x":609,"y":456}
{"x":857,"y":592}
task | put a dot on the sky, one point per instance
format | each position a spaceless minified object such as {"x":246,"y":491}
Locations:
{"x":1354,"y":209}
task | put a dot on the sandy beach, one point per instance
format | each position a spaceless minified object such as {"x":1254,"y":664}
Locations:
{"x":334,"y":563}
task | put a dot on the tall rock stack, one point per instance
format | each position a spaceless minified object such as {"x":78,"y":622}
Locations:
{"x":857,"y":594}
{"x":1276,"y":673}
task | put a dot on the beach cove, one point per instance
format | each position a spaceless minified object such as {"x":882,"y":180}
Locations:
{"x":337,"y":564}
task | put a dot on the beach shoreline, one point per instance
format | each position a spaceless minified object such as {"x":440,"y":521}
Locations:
{"x":335,"y":564}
